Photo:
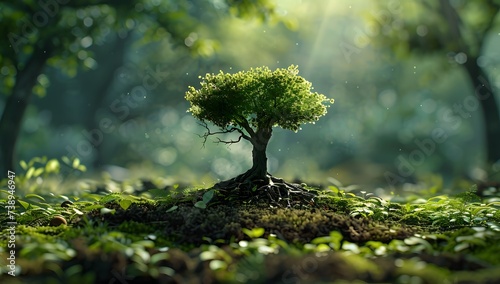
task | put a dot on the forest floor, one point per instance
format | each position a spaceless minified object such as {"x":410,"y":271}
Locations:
{"x":146,"y":234}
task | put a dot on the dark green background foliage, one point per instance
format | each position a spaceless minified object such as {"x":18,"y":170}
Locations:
{"x":109,"y":80}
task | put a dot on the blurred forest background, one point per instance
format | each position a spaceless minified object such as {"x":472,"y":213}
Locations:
{"x":109,"y":78}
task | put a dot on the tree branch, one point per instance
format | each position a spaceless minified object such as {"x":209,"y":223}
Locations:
{"x":454,"y":24}
{"x":223,"y":131}
{"x":246,"y":126}
{"x":228,"y":142}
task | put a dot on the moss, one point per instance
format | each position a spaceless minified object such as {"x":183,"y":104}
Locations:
{"x":334,"y":203}
{"x":192,"y":225}
{"x":135,"y":227}
{"x":28,"y":234}
{"x":411,"y":219}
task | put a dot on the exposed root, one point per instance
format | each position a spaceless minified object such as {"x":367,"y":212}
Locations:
{"x":272,"y":190}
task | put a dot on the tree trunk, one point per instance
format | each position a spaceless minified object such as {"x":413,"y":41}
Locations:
{"x":259,"y":157}
{"x":481,"y":84}
{"x":12,"y":116}
{"x":491,"y":115}
{"x":259,"y":167}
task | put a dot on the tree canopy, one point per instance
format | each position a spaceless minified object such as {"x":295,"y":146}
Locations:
{"x":259,"y":98}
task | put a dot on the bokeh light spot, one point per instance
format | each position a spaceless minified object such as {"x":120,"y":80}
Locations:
{"x":460,"y":58}
{"x":86,"y":42}
{"x":166,"y":156}
{"x":422,"y":30}
{"x":88,"y":21}
{"x":387,"y":98}
{"x":429,"y":105}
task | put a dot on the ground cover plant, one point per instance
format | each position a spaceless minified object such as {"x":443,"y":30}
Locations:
{"x":148,"y":231}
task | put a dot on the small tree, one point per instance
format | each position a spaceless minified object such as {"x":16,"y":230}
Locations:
{"x":251,"y":103}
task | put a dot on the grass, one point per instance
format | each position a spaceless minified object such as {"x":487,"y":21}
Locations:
{"x":144,"y":232}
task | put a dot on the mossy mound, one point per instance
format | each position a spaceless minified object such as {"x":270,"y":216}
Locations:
{"x":191,"y":225}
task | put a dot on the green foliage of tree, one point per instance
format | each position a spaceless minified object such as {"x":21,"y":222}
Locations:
{"x":251,"y":103}
{"x":259,"y":98}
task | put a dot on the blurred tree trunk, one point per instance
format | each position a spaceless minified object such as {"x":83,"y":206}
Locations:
{"x":12,"y":116}
{"x":479,"y":79}
{"x":106,"y":73}
{"x":491,"y":115}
